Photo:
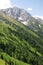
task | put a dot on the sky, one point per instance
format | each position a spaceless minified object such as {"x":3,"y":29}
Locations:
{"x":34,"y":7}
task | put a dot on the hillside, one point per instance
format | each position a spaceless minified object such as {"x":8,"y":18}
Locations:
{"x":19,"y":43}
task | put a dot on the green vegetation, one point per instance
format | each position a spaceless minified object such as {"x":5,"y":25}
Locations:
{"x":2,"y":62}
{"x":19,"y":45}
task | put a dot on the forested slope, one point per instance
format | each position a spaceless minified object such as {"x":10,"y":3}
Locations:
{"x":18,"y":42}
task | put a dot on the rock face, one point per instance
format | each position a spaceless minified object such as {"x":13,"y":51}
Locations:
{"x":24,"y":17}
{"x":20,"y":15}
{"x":17,"y":13}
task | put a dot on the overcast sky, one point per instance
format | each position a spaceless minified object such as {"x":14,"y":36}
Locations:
{"x":34,"y":7}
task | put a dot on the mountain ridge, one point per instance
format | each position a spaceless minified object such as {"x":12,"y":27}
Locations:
{"x":19,"y":14}
{"x":24,"y":17}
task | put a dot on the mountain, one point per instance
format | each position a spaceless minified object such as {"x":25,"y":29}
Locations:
{"x":20,"y":14}
{"x":35,"y":24}
{"x":19,"y":45}
{"x":17,"y":13}
{"x":39,"y":19}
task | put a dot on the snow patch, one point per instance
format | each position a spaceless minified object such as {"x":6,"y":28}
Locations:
{"x":39,"y":25}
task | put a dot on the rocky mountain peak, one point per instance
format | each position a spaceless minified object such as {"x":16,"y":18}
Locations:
{"x":17,"y":13}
